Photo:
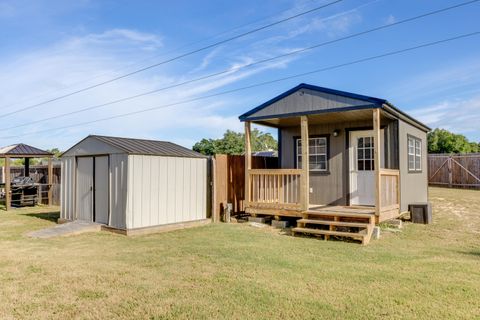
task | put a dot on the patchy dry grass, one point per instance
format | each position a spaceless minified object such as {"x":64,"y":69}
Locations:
{"x":236,"y":271}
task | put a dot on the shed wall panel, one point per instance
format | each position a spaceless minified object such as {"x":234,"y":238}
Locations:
{"x":166,"y":190}
{"x":118,"y":190}
{"x":130,"y":186}
{"x":67,"y":199}
{"x":170,"y":186}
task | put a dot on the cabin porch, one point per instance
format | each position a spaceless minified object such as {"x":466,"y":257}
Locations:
{"x":286,"y":192}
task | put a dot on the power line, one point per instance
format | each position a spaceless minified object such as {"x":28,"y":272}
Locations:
{"x":165,"y":53}
{"x":244,"y":66}
{"x":391,"y":53}
{"x":216,"y":44}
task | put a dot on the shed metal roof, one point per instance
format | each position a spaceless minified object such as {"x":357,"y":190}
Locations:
{"x":148,"y":147}
{"x":23,"y":150}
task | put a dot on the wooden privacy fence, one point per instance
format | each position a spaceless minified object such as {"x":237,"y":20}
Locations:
{"x":39,"y":175}
{"x":229,"y":180}
{"x":458,"y":170}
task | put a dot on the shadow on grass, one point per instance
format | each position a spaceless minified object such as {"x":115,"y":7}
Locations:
{"x":50,"y":216}
{"x":473,"y":252}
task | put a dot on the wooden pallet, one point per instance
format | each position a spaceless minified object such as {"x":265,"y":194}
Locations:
{"x":325,"y":221}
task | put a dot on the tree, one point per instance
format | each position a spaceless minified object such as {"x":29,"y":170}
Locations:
{"x":234,"y":143}
{"x":444,"y":141}
{"x":205,"y":146}
{"x":56,"y":152}
{"x":262,"y":141}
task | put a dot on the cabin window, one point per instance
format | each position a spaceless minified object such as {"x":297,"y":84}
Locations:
{"x":414,"y":154}
{"x":317,"y":148}
{"x":365,"y":154}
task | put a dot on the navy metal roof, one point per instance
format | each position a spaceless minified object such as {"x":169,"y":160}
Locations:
{"x":371,"y":102}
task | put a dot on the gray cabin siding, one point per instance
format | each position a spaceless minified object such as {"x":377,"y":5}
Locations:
{"x":306,"y":100}
{"x":413,"y":186}
{"x":332,"y":187}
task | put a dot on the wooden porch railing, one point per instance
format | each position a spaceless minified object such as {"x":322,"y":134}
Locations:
{"x":274,"y":189}
{"x":390,"y":189}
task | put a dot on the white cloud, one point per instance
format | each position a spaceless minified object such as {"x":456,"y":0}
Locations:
{"x":118,"y":37}
{"x":207,"y":60}
{"x":459,"y":116}
{"x":441,"y":80}
{"x":63,"y":67}
{"x":333,"y":26}
{"x":390,"y":19}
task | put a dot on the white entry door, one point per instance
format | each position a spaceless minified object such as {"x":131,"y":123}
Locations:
{"x":362,"y":174}
{"x":84,"y":188}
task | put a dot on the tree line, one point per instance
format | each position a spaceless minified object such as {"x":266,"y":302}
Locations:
{"x":444,"y":141}
{"x":439,"y":141}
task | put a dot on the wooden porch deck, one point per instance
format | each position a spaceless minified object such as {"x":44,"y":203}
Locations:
{"x":349,"y":210}
{"x":355,"y":222}
{"x":343,"y":209}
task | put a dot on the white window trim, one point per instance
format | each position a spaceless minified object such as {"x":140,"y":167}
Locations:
{"x":417,"y":153}
{"x":313,"y":154}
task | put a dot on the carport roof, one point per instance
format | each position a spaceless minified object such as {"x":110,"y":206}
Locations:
{"x":148,"y":147}
{"x":22,"y":150}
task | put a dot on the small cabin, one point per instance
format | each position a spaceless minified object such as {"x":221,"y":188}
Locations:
{"x":133,"y":185}
{"x":365,"y":161}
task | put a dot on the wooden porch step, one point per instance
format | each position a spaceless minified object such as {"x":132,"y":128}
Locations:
{"x":354,"y":235}
{"x":338,"y":214}
{"x":335,"y":223}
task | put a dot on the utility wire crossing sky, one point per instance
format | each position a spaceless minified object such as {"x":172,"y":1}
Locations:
{"x":240,"y":67}
{"x":338,"y":44}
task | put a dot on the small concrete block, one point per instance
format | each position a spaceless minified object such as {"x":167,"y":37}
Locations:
{"x":259,"y":219}
{"x":395,"y":223}
{"x":376,"y":233}
{"x":258,"y":225}
{"x":280,"y":224}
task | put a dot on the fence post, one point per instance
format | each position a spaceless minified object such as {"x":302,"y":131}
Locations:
{"x":450,"y":176}
{"x":248,"y":162}
{"x":7,"y":184}
{"x":50,"y":181}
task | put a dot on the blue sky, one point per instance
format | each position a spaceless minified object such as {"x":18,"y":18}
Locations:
{"x":50,"y":48}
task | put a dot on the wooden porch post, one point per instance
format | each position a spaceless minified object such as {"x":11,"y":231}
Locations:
{"x":248,"y":162}
{"x":305,"y":179}
{"x":7,"y":184}
{"x":50,"y":182}
{"x":377,"y":153}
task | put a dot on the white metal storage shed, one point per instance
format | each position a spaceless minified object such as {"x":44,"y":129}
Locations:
{"x":130,"y":184}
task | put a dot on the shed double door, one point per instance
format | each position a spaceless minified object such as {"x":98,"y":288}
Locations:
{"x":362,"y":169}
{"x":92,"y":189}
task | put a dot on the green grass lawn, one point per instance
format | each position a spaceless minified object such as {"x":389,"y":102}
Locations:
{"x":236,"y":271}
